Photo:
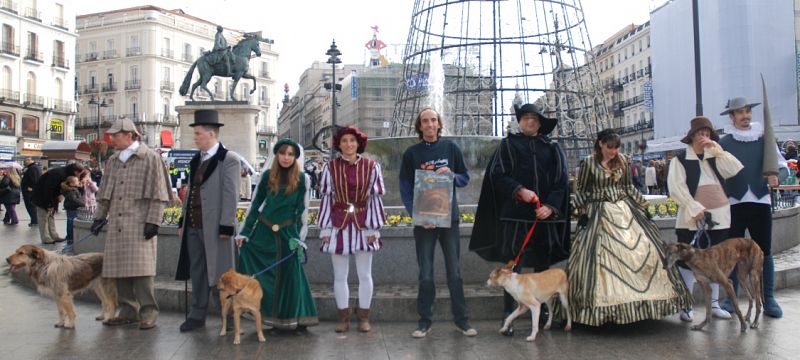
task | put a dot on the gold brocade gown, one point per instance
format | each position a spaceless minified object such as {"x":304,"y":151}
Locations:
{"x":615,"y":265}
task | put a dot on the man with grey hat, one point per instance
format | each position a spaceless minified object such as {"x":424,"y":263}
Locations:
{"x":209,"y":220}
{"x":696,"y":178}
{"x":527,"y":168}
{"x":131,"y":203}
{"x":748,"y":191}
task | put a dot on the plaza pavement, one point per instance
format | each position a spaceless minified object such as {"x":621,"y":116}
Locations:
{"x":27,"y":332}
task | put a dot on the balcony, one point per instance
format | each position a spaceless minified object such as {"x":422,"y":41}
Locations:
{"x":60,"y":62}
{"x":89,"y":122}
{"x":33,"y":100}
{"x":166,"y":120}
{"x":632,"y":101}
{"x":9,"y":96}
{"x":188,"y":58}
{"x":9,"y":48}
{"x":263,"y":102}
{"x":110,"y":54}
{"x":133,"y":51}
{"x":133,"y":85}
{"x":60,"y":23}
{"x":88,"y":89}
{"x":264,"y":74}
{"x":136,"y":118}
{"x":266,"y":131}
{"x":109,"y":87}
{"x":167,"y":86}
{"x":92,"y":56}
{"x":168,"y":53}
{"x":36,"y":56}
{"x":33,"y":14}
{"x":62,"y":105}
{"x":638,"y":127}
{"x":9,"y":5}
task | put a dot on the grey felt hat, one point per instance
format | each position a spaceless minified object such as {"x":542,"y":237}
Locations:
{"x":737,"y":103}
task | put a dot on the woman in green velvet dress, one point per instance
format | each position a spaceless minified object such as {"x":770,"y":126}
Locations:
{"x":276,"y":225}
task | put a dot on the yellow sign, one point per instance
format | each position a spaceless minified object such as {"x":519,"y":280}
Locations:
{"x":57,"y":126}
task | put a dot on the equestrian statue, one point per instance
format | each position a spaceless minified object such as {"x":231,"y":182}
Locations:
{"x":225,"y":62}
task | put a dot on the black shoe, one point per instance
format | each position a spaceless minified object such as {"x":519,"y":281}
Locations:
{"x":59,"y":240}
{"x":192,"y":324}
{"x":33,"y":224}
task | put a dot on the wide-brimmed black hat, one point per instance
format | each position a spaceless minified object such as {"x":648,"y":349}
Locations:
{"x":700,"y":122}
{"x":207,"y":118}
{"x":736,"y":104}
{"x":546,"y":124}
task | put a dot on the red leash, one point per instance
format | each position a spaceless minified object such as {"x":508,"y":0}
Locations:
{"x":528,"y":236}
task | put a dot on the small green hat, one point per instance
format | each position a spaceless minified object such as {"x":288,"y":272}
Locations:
{"x":286,"y":141}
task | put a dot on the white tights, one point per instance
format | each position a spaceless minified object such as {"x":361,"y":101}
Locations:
{"x":341,"y":267}
{"x":688,"y":279}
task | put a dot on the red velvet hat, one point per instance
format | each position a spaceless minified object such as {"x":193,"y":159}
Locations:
{"x":360,"y":137}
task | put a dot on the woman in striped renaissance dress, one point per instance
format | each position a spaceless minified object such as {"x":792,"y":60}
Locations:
{"x":350,"y":219}
{"x":615,"y":270}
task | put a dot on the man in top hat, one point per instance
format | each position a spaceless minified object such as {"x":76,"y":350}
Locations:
{"x":209,"y":215}
{"x":695,"y":181}
{"x":132,"y":198}
{"x":527,"y":167}
{"x":748,"y":191}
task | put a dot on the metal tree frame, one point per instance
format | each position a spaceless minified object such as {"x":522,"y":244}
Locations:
{"x":497,"y":53}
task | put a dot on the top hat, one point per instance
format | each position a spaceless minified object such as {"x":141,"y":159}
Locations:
{"x":737,"y":103}
{"x":546,"y":124}
{"x":700,"y":122}
{"x":207,"y":118}
{"x":122,"y":125}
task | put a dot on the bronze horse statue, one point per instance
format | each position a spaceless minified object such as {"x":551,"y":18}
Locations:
{"x":240,"y":64}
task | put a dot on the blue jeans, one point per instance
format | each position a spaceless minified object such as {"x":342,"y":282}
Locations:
{"x":449,"y":240}
{"x":71,"y":215}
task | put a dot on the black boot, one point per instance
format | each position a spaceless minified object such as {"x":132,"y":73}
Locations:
{"x":771,"y":307}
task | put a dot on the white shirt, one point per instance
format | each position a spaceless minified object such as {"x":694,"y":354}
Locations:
{"x":124,"y":155}
{"x":210,"y":153}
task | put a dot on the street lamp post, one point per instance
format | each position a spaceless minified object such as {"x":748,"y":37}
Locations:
{"x":333,"y":59}
{"x":100,"y":104}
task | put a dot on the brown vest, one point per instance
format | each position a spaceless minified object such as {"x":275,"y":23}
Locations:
{"x":195,"y":211}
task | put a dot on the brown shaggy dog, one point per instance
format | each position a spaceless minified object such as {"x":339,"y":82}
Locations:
{"x":243,"y":294}
{"x":59,"y":277}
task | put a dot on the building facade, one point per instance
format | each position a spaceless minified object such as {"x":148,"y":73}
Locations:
{"x":624,"y":64}
{"x":131,"y":63}
{"x":36,"y":74}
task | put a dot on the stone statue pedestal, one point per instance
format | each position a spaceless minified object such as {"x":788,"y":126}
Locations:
{"x":238,"y":134}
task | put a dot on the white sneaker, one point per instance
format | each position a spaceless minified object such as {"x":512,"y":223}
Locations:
{"x":687,"y":315}
{"x":421,"y":332}
{"x":719,"y":313}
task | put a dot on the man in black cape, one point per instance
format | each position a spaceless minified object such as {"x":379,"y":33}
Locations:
{"x":525,"y":167}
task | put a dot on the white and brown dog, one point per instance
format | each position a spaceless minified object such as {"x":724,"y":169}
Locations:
{"x":60,"y":277}
{"x":530,"y":291}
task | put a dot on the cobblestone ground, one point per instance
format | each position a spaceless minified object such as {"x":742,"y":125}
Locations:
{"x":26,"y":325}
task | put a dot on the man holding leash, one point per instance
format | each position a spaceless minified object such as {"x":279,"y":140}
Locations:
{"x":527,"y":168}
{"x":434,"y":153}
{"x":209,"y":216}
{"x":748,"y":191}
{"x":132,"y":199}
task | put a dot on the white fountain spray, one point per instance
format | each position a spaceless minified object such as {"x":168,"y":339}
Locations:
{"x":436,"y":86}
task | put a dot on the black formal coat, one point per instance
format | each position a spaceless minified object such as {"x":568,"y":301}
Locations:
{"x":501,"y":221}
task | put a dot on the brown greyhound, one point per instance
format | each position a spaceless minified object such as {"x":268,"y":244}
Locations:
{"x":715,"y":264}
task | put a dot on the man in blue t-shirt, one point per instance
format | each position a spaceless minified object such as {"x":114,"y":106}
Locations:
{"x":434,"y":153}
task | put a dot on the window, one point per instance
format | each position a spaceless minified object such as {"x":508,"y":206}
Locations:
{"x":92,"y":79}
{"x":134,"y":106}
{"x":110,"y":44}
{"x":165,"y":74}
{"x":110,"y":79}
{"x":626,"y":53}
{"x":245,"y":92}
{"x":33,"y":44}
{"x":8,"y":39}
{"x":134,"y":41}
{"x":92,"y":47}
{"x":30,"y":126}
{"x":133,"y":72}
{"x":7,"y":123}
{"x":59,"y":89}
{"x":7,"y":79}
{"x":187,"y":52}
{"x":640,"y":45}
{"x":166,"y":108}
{"x":31,"y":84}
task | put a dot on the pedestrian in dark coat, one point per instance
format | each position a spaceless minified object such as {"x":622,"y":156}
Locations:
{"x":29,"y":179}
{"x":46,"y":198}
{"x":9,"y":195}
{"x":527,"y":167}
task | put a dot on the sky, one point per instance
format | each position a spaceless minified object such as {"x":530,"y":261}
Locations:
{"x":303,"y":29}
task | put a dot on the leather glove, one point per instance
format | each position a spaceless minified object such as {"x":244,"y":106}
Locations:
{"x":150,"y":230}
{"x":97,"y":225}
{"x":583,"y":220}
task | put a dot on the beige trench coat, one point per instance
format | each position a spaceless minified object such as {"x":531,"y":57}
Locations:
{"x":131,"y":194}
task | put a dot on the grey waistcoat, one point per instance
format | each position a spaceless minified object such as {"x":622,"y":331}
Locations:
{"x":751,"y":154}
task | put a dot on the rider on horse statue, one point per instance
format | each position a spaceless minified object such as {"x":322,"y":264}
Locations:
{"x":221,"y":51}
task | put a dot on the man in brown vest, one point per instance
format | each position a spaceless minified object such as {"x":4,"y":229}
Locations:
{"x":209,"y":219}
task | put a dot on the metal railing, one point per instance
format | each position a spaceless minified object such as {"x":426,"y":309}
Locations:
{"x":32,"y":13}
{"x":60,"y":23}
{"x":89,"y":89}
{"x":188,"y":57}
{"x":133,"y":117}
{"x":61,"y":105}
{"x":34,"y":100}
{"x":7,"y":95}
{"x":60,"y":61}
{"x":133,"y":51}
{"x":267,"y":130}
{"x":167,"y":85}
{"x":91,"y":56}
{"x":168,"y":53}
{"x":9,"y":5}
{"x":110,"y":54}
{"x":9,"y":48}
{"x":107,"y":87}
{"x":34,"y":56}
{"x":264,"y":74}
{"x":133,"y":84}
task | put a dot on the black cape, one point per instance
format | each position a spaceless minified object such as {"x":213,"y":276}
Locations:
{"x":516,"y":162}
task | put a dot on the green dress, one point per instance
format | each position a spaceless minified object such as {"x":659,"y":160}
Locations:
{"x":615,"y":263}
{"x":287,"y":302}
